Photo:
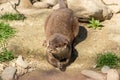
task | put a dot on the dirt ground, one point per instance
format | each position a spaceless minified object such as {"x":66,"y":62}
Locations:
{"x":30,"y":36}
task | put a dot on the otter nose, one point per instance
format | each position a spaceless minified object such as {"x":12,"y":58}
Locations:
{"x":50,"y":50}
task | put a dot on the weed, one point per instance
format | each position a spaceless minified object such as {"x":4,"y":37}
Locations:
{"x":108,"y":59}
{"x":5,"y":31}
{"x":6,"y":55}
{"x":95,"y":24}
{"x":11,"y":16}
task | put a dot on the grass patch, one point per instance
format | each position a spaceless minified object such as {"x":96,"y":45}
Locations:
{"x":108,"y":59}
{"x":6,"y":55}
{"x":95,"y":24}
{"x":11,"y":16}
{"x":5,"y":31}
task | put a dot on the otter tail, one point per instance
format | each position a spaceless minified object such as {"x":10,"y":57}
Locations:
{"x":62,"y":4}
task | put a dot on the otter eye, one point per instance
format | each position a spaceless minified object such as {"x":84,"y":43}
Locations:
{"x":65,"y":44}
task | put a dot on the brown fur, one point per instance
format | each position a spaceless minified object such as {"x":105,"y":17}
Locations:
{"x":61,"y":28}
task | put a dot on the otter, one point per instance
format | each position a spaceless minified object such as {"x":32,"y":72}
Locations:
{"x":61,"y":28}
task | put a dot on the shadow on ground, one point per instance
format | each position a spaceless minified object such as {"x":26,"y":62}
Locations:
{"x":80,"y":37}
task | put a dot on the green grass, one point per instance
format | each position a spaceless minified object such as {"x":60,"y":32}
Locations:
{"x":6,"y":55}
{"x":95,"y":24}
{"x":108,"y":59}
{"x":11,"y":16}
{"x":5,"y":31}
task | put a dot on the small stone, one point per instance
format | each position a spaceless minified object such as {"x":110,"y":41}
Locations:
{"x":112,"y":74}
{"x":94,"y":66}
{"x":2,"y":66}
{"x":9,"y":73}
{"x":93,"y":75}
{"x":105,"y":69}
{"x":41,"y":5}
{"x":56,"y":7}
{"x":21,"y":71}
{"x":21,"y":63}
{"x":50,"y":2}
{"x":12,"y":63}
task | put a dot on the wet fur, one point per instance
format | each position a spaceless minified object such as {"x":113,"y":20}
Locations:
{"x":61,"y":28}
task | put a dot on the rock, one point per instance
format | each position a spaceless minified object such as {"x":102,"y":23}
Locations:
{"x":6,"y":8}
{"x":12,"y":63}
{"x":25,"y":4}
{"x":33,"y":1}
{"x":50,"y":2}
{"x":2,"y":66}
{"x":105,"y":69}
{"x":112,"y":74}
{"x":53,"y":75}
{"x":9,"y":73}
{"x":21,"y":71}
{"x":40,"y":5}
{"x":85,"y":9}
{"x":89,"y":79}
{"x":93,"y":74}
{"x":21,"y":68}
{"x":55,"y":7}
{"x":21,"y":63}
{"x":3,"y":1}
{"x":114,"y":5}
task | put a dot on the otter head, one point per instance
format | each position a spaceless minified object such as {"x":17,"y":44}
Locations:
{"x":59,"y":46}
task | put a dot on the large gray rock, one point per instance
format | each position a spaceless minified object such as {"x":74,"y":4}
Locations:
{"x":85,"y":9}
{"x":9,"y":73}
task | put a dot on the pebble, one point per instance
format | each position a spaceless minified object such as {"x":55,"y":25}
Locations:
{"x":41,"y":5}
{"x":20,"y":62}
{"x":21,"y":71}
{"x":8,"y":73}
{"x":2,"y":67}
{"x":105,"y":69}
{"x":56,"y":7}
